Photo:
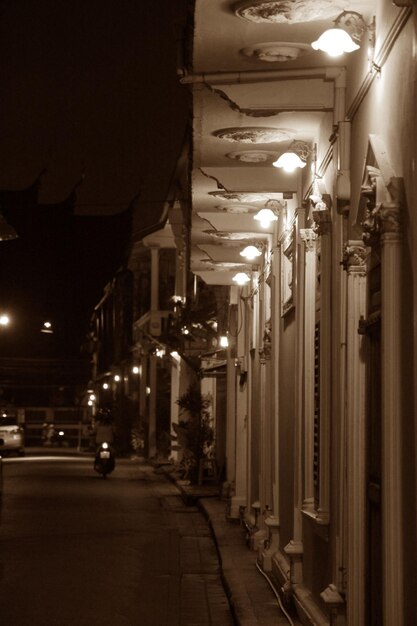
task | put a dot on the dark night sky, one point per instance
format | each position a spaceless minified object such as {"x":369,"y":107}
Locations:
{"x":89,"y":87}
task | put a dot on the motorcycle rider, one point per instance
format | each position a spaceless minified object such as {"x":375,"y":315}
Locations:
{"x":104,"y":461}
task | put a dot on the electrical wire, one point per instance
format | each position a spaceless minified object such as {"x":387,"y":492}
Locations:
{"x":259,"y":568}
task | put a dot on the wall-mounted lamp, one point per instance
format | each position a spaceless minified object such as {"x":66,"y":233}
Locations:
{"x":117,"y":378}
{"x":346,"y":34}
{"x":223,"y":341}
{"x":251,"y":252}
{"x":241,"y":278}
{"x":265,"y":217}
{"x":105,"y":385}
{"x":295,"y":157}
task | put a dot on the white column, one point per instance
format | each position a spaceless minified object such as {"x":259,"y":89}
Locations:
{"x":355,"y":262}
{"x":241,"y":409}
{"x":391,"y":414}
{"x":309,"y":236}
{"x":382,"y":224}
{"x":325,"y":377}
{"x":294,"y":549}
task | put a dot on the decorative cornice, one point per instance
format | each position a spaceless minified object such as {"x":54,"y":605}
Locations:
{"x":247,"y":196}
{"x":232,"y":236}
{"x":276,"y":51}
{"x":253,"y":156}
{"x":237,"y":208}
{"x":287,"y":11}
{"x":255,"y":134}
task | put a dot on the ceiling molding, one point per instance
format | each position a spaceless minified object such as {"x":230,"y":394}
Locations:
{"x":276,"y":51}
{"x":287,"y":11}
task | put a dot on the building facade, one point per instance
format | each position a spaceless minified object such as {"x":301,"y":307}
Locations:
{"x":320,"y":404}
{"x":313,"y":398}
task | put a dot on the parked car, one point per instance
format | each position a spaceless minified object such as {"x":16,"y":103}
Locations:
{"x":12,"y":437}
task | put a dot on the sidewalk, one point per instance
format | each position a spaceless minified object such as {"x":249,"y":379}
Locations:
{"x":251,"y":597}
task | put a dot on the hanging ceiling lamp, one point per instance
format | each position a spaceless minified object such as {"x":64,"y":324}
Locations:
{"x":251,"y":252}
{"x":346,"y":34}
{"x":295,"y":157}
{"x":241,"y":278}
{"x":265,"y":217}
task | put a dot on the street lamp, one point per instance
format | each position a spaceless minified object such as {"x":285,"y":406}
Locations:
{"x":4,"y":319}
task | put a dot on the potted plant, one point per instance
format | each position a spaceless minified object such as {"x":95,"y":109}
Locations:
{"x":194,"y":432}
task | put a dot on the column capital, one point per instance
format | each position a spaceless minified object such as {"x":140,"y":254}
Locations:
{"x":381,"y":219}
{"x":322,"y":218}
{"x":355,"y":254}
{"x":308,"y":236}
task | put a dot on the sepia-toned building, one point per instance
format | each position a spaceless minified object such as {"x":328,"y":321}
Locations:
{"x":320,"y":404}
{"x":314,"y":396}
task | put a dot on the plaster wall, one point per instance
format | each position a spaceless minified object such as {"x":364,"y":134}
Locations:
{"x":286,"y":426}
{"x":389,"y":111}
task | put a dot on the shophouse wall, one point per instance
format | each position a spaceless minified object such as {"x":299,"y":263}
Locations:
{"x":389,"y":111}
{"x":286,"y":421}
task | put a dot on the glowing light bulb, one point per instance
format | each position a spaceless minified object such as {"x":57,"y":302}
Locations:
{"x":265,"y":217}
{"x":241,"y":278}
{"x":289,"y":162}
{"x":251,"y":252}
{"x":335,"y":42}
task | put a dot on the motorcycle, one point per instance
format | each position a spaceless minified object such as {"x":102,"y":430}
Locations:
{"x":53,"y":437}
{"x":104,"y":462}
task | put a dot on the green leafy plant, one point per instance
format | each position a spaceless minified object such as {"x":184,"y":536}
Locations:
{"x":197,"y":432}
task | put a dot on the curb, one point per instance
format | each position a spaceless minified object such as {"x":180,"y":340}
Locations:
{"x":251,"y":599}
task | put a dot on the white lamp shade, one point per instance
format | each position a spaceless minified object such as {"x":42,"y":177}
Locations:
{"x":250,"y":252}
{"x":265,"y":217}
{"x":241,"y":278}
{"x":289,"y":162}
{"x":335,"y":42}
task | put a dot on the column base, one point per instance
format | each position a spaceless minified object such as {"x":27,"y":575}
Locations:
{"x":272,"y":542}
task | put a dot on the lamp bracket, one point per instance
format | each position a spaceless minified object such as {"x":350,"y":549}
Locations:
{"x":354,"y":23}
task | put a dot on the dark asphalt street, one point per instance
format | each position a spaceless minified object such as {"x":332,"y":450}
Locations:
{"x":79,"y":550}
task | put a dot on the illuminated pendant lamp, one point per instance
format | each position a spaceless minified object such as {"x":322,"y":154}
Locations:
{"x":251,"y":252}
{"x":265,"y":217}
{"x":295,"y":157}
{"x":241,"y":278}
{"x":346,"y":34}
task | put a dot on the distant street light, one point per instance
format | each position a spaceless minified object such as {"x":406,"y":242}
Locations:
{"x":4,"y":320}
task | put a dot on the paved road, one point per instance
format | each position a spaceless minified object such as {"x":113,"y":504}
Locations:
{"x":79,"y":550}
